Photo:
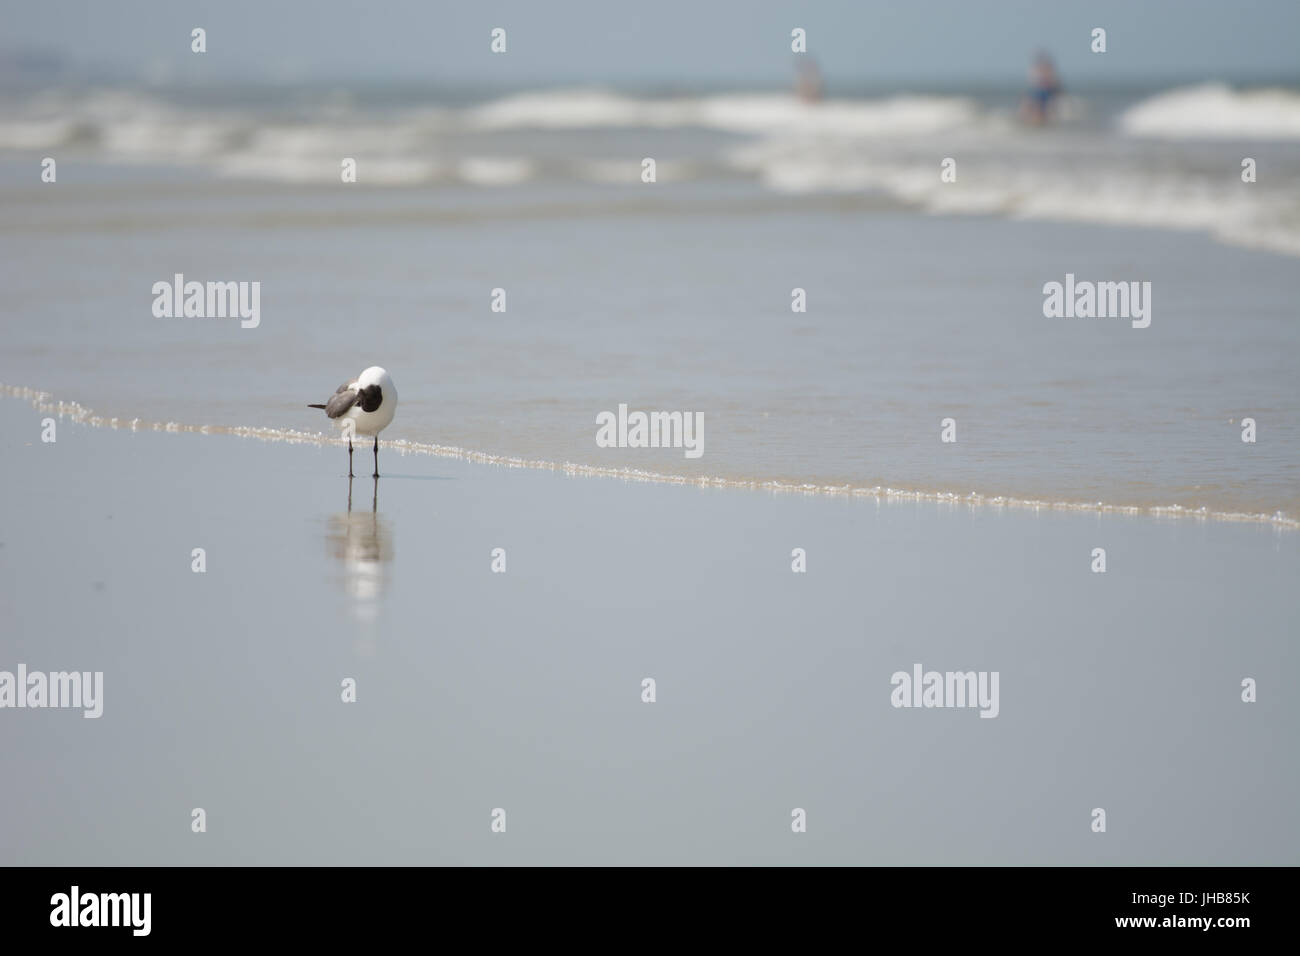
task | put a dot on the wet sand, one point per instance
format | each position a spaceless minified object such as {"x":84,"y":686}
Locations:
{"x":523,"y":690}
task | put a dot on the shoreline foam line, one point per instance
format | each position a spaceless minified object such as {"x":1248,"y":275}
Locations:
{"x":45,"y":402}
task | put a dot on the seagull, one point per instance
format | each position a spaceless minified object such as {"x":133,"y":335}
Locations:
{"x":366,"y":405}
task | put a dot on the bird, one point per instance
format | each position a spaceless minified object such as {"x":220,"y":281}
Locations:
{"x":366,"y":405}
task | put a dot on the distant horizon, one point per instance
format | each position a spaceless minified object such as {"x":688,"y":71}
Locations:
{"x":852,"y":85}
{"x":679,"y":44}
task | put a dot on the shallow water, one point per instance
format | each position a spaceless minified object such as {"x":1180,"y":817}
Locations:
{"x":676,"y":296}
{"x":680,"y":301}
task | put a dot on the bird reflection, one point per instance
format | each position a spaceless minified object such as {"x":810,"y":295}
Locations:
{"x":362,"y":542}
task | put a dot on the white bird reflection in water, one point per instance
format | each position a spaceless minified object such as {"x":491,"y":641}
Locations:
{"x":362,"y":542}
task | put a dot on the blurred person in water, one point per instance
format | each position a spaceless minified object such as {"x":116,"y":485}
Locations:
{"x":808,"y":84}
{"x":1044,"y":88}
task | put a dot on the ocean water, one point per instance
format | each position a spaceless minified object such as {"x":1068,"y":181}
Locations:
{"x":924,"y":299}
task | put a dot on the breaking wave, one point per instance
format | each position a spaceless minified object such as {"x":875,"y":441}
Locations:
{"x":1148,"y":165}
{"x":1216,"y":111}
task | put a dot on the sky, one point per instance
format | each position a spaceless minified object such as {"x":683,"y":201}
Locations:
{"x":680,"y":43}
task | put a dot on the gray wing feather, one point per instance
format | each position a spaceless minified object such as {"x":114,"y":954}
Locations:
{"x":342,"y":400}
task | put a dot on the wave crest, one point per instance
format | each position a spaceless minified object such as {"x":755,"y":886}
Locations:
{"x":1215,"y":111}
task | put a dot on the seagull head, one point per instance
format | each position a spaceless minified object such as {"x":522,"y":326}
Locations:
{"x":376,"y":376}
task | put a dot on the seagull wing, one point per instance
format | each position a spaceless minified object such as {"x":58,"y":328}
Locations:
{"x":342,"y":400}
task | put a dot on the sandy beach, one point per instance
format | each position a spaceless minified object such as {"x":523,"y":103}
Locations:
{"x":523,"y":690}
{"x":809,"y":437}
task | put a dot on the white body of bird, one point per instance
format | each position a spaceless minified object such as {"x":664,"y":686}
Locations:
{"x":372,"y":422}
{"x":364,"y":406}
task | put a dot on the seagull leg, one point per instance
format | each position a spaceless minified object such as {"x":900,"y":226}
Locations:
{"x":349,"y":457}
{"x":349,"y":494}
{"x":376,"y":474}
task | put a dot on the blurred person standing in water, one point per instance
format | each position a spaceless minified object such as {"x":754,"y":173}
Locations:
{"x":808,"y":84}
{"x":1044,"y":87}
